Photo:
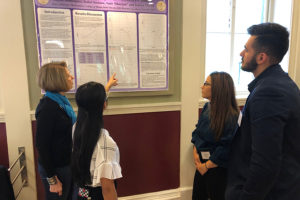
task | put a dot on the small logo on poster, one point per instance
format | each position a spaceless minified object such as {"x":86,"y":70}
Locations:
{"x":161,"y":6}
{"x":44,"y":2}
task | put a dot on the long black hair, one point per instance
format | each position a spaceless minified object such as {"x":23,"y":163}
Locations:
{"x":90,"y":98}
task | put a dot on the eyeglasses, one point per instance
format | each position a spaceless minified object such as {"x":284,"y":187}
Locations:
{"x":206,"y":84}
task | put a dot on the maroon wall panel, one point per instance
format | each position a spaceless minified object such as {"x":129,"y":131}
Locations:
{"x":3,"y":146}
{"x":149,"y":145}
{"x":150,"y":150}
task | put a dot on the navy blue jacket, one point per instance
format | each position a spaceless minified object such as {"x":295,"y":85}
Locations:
{"x":6,"y":189}
{"x":53,"y":136}
{"x":203,"y":138}
{"x":265,"y":157}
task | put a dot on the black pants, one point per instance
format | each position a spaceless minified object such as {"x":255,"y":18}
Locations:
{"x":211,"y":185}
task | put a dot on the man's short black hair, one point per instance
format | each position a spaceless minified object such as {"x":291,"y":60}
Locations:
{"x":272,"y":39}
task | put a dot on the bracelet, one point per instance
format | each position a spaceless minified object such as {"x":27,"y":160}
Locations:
{"x":206,"y":165}
{"x":52,"y":180}
{"x":107,"y":94}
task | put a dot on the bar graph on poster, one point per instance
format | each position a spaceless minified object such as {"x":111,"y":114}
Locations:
{"x":97,"y":38}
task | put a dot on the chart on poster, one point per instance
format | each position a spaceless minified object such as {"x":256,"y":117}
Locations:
{"x":101,"y":37}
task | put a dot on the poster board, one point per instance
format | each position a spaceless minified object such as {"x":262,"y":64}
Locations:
{"x":101,"y":37}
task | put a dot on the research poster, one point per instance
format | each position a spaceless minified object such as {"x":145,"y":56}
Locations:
{"x":97,"y":38}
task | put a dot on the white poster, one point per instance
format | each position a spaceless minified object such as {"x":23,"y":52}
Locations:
{"x":55,"y":33}
{"x":153,"y":50}
{"x":122,"y":48}
{"x":90,"y":46}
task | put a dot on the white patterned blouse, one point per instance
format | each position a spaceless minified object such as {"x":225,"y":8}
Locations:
{"x":105,"y":160}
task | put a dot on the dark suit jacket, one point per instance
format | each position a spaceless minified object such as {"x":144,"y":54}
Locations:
{"x":6,"y":190}
{"x":265,"y":156}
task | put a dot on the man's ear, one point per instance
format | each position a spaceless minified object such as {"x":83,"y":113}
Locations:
{"x":262,"y":58}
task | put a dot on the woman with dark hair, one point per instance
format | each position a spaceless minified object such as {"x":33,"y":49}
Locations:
{"x":54,"y":120}
{"x":213,"y":135}
{"x":95,"y":157}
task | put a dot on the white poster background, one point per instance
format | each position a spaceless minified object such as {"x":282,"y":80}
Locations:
{"x":90,"y":46}
{"x":122,"y":48}
{"x":153,"y":50}
{"x":56,"y":36}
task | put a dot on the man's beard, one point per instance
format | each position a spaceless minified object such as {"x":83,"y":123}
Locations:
{"x":251,"y":65}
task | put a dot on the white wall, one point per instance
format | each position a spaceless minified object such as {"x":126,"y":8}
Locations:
{"x":294,"y":67}
{"x":192,"y":72}
{"x":1,"y":102}
{"x":14,"y":91}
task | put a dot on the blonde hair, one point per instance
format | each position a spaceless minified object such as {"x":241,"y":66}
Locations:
{"x":53,"y":77}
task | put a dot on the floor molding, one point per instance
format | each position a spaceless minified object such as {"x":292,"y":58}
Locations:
{"x":174,"y":194}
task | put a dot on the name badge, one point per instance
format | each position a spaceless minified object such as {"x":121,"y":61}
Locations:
{"x":205,"y":155}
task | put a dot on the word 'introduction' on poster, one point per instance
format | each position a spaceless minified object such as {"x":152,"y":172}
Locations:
{"x":99,"y":38}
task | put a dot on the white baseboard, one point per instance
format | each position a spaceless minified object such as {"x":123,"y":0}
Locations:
{"x":175,"y":194}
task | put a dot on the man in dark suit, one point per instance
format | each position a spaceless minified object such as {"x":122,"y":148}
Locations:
{"x":265,"y":156}
{"x":6,"y":189}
